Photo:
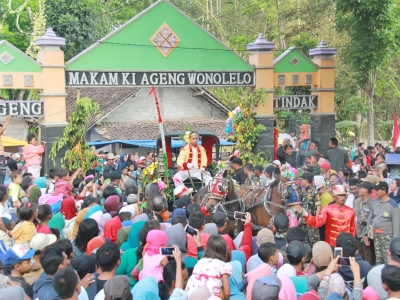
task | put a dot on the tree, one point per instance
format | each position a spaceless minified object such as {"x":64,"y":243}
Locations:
{"x":371,"y":26}
{"x":78,"y":153}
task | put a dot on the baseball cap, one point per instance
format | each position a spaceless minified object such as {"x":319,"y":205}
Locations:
{"x":265,"y":235}
{"x":281,"y":222}
{"x":142,"y":158}
{"x":339,"y":190}
{"x":381,"y":185}
{"x":259,"y":168}
{"x":89,"y":200}
{"x":394,"y":249}
{"x":40,"y":241}
{"x":353,"y":181}
{"x":266,"y":288}
{"x":277,"y":162}
{"x":297,"y":249}
{"x":117,"y":288}
{"x":272,"y":170}
{"x":366,"y":185}
{"x":307,"y":176}
{"x":325,"y":165}
{"x":371,"y":178}
{"x":110,"y":156}
{"x":132,"y":198}
{"x":219,"y":218}
{"x":17,"y":253}
{"x":114,"y":175}
{"x":236,"y":160}
{"x":321,"y":254}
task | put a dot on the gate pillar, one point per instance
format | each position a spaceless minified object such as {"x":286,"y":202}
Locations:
{"x":262,"y":58}
{"x":323,"y":117}
{"x":54,"y":121}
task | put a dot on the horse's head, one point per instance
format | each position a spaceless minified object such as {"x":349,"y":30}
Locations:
{"x":218,"y":189}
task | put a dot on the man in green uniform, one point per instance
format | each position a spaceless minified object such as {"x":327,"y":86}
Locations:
{"x":312,"y":204}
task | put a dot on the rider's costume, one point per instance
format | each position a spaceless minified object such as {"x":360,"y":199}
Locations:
{"x":196,"y":157}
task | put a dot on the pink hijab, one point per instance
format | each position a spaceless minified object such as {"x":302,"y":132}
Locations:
{"x":370,"y":294}
{"x":98,"y":216}
{"x":288,"y":291}
{"x":155,"y":240}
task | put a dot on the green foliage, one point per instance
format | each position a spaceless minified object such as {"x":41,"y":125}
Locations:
{"x":78,"y":154}
{"x":244,"y":123}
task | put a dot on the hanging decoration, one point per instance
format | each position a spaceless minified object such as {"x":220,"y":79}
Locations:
{"x":160,"y":124}
{"x":229,"y":128}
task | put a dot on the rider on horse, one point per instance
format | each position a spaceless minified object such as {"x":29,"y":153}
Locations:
{"x":192,"y":162}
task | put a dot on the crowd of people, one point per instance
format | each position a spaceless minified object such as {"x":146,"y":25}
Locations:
{"x":98,"y":236}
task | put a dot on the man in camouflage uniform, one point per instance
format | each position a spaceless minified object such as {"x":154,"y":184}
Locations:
{"x":384,"y":218}
{"x":252,"y":179}
{"x":312,"y":204}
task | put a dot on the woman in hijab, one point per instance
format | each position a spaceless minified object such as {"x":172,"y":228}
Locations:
{"x":236,"y":281}
{"x":240,"y":257}
{"x":288,"y":291}
{"x":177,"y":237}
{"x":146,"y":289}
{"x":211,"y":229}
{"x":68,"y":208}
{"x":94,"y":244}
{"x":122,"y":162}
{"x":133,"y":237}
{"x":131,"y":160}
{"x":122,"y":235}
{"x":99,"y":218}
{"x":112,"y":205}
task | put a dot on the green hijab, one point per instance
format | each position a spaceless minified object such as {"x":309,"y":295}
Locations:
{"x":133,"y":237}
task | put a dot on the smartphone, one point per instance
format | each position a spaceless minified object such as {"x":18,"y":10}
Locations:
{"x":338,"y":251}
{"x":300,"y":172}
{"x":328,"y":185}
{"x":344,"y":261}
{"x":190,"y":230}
{"x":240,"y":215}
{"x":167,"y":251}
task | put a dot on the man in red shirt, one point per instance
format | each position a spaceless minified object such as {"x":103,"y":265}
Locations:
{"x":337,"y":217}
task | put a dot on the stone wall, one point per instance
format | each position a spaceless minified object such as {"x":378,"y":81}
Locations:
{"x":17,"y":129}
{"x":175,"y":103}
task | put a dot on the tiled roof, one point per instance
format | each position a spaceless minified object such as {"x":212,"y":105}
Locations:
{"x":149,"y":130}
{"x":108,"y":99}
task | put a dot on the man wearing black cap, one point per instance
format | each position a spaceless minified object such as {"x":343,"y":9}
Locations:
{"x":362,"y":208}
{"x":220,"y":219}
{"x":280,"y":226}
{"x":238,"y":173}
{"x":312,"y":204}
{"x":296,"y":253}
{"x":383,"y":213}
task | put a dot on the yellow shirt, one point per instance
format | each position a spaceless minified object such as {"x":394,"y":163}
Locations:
{"x":23,"y":233}
{"x":326,"y":199}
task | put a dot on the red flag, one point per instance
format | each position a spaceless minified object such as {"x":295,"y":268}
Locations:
{"x":395,"y":134}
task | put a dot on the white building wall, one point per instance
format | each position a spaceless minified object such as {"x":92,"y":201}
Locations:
{"x":175,"y":103}
{"x":17,"y":129}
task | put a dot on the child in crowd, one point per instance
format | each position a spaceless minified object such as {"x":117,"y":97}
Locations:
{"x":44,"y":214}
{"x":153,"y":261}
{"x":32,"y":153}
{"x":197,"y":221}
{"x":127,"y":180}
{"x":132,"y":172}
{"x":19,"y":260}
{"x":53,"y":174}
{"x":64,"y":183}
{"x":26,"y":229}
{"x":14,"y":189}
{"x":212,"y":270}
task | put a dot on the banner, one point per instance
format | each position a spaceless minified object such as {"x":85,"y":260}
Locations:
{"x":21,"y":108}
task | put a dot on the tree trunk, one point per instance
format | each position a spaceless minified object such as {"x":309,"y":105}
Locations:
{"x":359,"y":121}
{"x":21,"y":94}
{"x":280,"y":27}
{"x":369,"y":94}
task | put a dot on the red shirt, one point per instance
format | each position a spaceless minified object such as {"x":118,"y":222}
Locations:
{"x":337,"y":220}
{"x":111,"y":228}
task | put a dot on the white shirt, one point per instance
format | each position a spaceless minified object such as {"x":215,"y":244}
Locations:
{"x":350,"y":200}
{"x":195,"y":158}
{"x":294,"y":144}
